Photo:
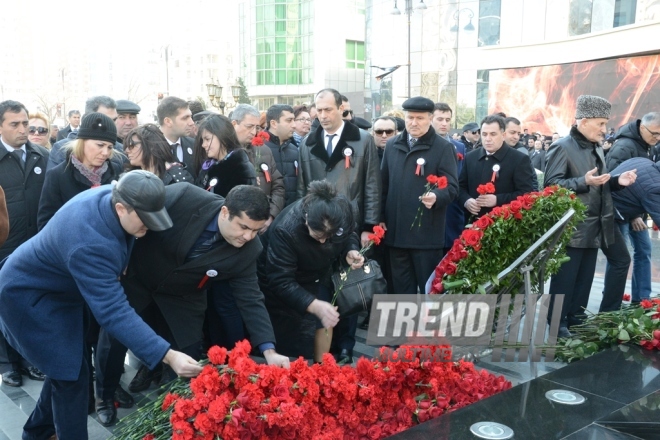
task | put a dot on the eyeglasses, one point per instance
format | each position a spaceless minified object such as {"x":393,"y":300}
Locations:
{"x":347,"y":112}
{"x":381,"y":132}
{"x":131,"y":145}
{"x":655,"y":134}
{"x":37,"y":130}
{"x":475,"y":132}
{"x":306,"y":121}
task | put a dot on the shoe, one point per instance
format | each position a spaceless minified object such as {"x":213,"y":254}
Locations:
{"x":33,"y":373}
{"x":345,"y":357}
{"x":142,"y":380}
{"x":12,"y":378}
{"x":124,"y":399}
{"x":106,"y":411}
{"x":564,"y":333}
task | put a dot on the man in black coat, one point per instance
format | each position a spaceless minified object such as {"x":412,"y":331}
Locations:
{"x":176,"y":123}
{"x":22,"y":174}
{"x":212,"y":240}
{"x":409,"y":159}
{"x":74,"y":122}
{"x":508,"y":169}
{"x":279,"y":123}
{"x":577,"y":162}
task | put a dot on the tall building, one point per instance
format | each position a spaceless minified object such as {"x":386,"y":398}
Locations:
{"x":528,"y":58}
{"x":290,"y":49}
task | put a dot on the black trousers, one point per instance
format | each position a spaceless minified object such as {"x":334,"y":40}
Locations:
{"x":574,"y":281}
{"x":411,"y":268}
{"x":10,"y":359}
{"x":61,"y":408}
{"x":616,"y":273}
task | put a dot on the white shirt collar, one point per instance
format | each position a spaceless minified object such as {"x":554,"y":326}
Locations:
{"x":10,"y":148}
{"x":178,"y":141}
{"x":338,"y":132}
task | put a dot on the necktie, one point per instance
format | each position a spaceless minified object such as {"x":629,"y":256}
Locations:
{"x":18,"y":154}
{"x":204,"y":247}
{"x":329,"y":147}
{"x":411,"y":142}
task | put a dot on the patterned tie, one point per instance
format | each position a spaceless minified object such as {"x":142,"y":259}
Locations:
{"x":411,"y":142}
{"x":329,"y":147}
{"x":204,"y":247}
{"x":18,"y":154}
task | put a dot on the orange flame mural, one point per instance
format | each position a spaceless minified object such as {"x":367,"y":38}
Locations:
{"x":544,"y":97}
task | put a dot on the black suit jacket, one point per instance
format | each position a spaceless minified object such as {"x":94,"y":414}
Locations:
{"x":514,"y":177}
{"x":63,"y":133}
{"x":158,"y":271}
{"x":188,"y":147}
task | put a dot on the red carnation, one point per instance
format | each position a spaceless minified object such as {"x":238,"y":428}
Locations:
{"x":459,"y":156}
{"x":486,"y":188}
{"x":441,"y":182}
{"x":432,"y":179}
{"x":217,"y":355}
{"x":646,"y":304}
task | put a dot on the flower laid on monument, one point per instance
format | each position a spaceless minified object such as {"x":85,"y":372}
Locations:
{"x":432,"y":182}
{"x":495,"y":240}
{"x":632,"y":324}
{"x":234,"y":397}
{"x":260,"y":138}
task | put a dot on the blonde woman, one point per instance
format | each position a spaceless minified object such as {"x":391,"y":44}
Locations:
{"x":38,"y":130}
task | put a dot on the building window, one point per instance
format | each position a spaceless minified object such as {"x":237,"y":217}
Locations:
{"x":279,"y":41}
{"x":489,"y":22}
{"x":354,"y":54}
{"x":624,"y":12}
{"x":357,"y":6}
{"x":579,"y":17}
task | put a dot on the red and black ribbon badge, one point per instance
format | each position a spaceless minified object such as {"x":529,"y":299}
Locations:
{"x":264,"y":168}
{"x":209,"y":274}
{"x":496,"y":173}
{"x":419,"y":171}
{"x":348,"y":152}
{"x":212,"y":183}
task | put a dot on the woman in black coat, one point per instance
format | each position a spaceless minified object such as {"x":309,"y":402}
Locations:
{"x":220,"y":162}
{"x":146,"y":148}
{"x":302,"y":245}
{"x":89,"y":163}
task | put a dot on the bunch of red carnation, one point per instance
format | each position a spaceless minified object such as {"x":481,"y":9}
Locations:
{"x":432,"y":182}
{"x":486,"y":188}
{"x":260,"y":138}
{"x":246,"y":400}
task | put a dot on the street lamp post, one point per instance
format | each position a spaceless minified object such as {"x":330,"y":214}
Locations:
{"x":408,"y":11}
{"x":214,"y":91}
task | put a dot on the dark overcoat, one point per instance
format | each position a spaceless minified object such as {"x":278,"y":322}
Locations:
{"x":79,"y":257}
{"x":158,"y":271}
{"x":513,"y":179}
{"x":402,"y":188}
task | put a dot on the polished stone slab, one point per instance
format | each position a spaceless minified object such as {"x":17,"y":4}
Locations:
{"x":624,"y":374}
{"x":641,"y":418}
{"x":597,"y":432}
{"x":524,"y":409}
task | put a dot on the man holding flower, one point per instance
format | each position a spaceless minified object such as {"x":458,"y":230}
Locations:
{"x":495,"y":174}
{"x":410,"y":159}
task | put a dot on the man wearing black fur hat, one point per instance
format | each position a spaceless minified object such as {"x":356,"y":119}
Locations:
{"x":577,"y":162}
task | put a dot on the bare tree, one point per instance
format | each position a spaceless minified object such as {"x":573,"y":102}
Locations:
{"x":134,"y":93}
{"x":47,"y":105}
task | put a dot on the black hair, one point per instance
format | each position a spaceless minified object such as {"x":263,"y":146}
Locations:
{"x":326,"y":211}
{"x":220,"y":127}
{"x":92,"y":104}
{"x":297,"y":110}
{"x":169,"y":108}
{"x":250,"y":200}
{"x":275,"y":112}
{"x":13,"y":107}
{"x":343,"y":98}
{"x":195,"y":107}
{"x":494,"y":119}
{"x":335,"y":94}
{"x":156,"y":151}
{"x":73,"y":112}
{"x":510,"y":120}
{"x":502,"y":114}
{"x":443,"y":107}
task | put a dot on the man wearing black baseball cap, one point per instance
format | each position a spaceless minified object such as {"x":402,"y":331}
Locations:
{"x":80,"y":255}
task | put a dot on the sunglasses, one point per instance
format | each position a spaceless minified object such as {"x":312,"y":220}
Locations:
{"x":475,"y":132}
{"x":387,"y":132}
{"x":37,"y":130}
{"x":347,"y":112}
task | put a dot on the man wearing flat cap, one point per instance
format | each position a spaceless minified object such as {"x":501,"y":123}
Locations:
{"x":470,"y":136}
{"x":416,"y":245}
{"x":46,"y":317}
{"x":127,"y":119}
{"x":577,"y":162}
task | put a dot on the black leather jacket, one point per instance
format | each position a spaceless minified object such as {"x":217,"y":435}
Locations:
{"x":567,"y":162}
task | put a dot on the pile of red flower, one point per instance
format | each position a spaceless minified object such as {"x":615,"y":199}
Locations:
{"x":242,"y":399}
{"x":497,"y":239}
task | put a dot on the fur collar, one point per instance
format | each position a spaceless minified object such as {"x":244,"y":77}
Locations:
{"x":316,"y":144}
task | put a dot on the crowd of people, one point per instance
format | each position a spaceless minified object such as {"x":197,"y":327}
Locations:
{"x":214,"y":229}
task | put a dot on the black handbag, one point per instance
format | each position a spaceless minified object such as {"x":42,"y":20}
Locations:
{"x":358,"y":287}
